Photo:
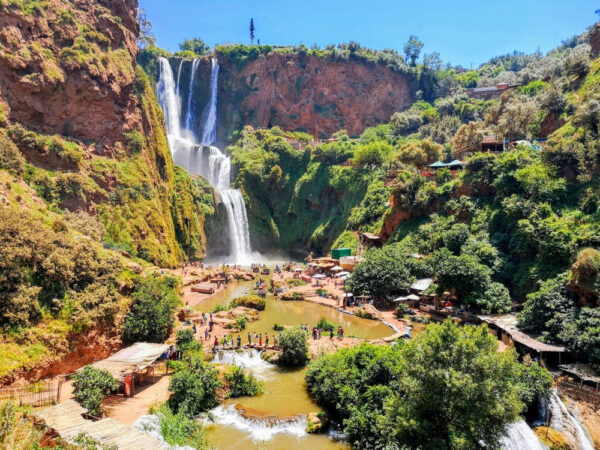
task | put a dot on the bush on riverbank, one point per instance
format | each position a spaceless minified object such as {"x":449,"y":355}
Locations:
{"x":151,"y":316}
{"x":90,"y":386}
{"x":194,"y":387}
{"x":250,"y":301}
{"x":243,"y":383}
{"x":324,"y":325}
{"x":446,"y":388}
{"x":294,"y":348}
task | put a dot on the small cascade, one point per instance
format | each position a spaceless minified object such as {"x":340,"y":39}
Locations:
{"x":209,"y":133}
{"x":150,"y":424}
{"x":259,"y":429}
{"x":246,"y":358}
{"x":563,"y":421}
{"x":202,"y":158}
{"x":519,"y":436}
{"x":189,"y":116}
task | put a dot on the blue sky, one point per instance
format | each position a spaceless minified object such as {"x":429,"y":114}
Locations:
{"x":466,"y":32}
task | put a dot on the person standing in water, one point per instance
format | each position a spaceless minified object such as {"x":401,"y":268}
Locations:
{"x":239,"y":341}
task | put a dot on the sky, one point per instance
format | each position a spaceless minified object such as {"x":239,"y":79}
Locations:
{"x":464,"y":32}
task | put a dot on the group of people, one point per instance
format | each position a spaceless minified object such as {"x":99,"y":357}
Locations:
{"x":258,"y":340}
{"x":317,"y":332}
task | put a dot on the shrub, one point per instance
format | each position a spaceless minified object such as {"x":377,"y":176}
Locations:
{"x":250,"y":301}
{"x":134,"y":140}
{"x":10,"y":156}
{"x":293,"y":282}
{"x":243,"y":383}
{"x":181,"y":430}
{"x":401,"y":310}
{"x":241,"y":322}
{"x":194,"y":388}
{"x":90,"y":386}
{"x":278,"y":327}
{"x":324,"y":325}
{"x":150,"y":318}
{"x":186,"y":340}
{"x":17,"y":432}
{"x":294,"y":347}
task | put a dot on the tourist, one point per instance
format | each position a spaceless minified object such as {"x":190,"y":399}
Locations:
{"x":275,"y":340}
{"x":249,"y":338}
{"x":239,"y":341}
{"x":255,"y":336}
{"x":260,"y":340}
{"x":266,"y":339}
{"x":331,"y":334}
{"x":211,"y":316}
{"x":314,"y":333}
{"x":194,"y":329}
{"x":206,"y":334}
{"x":216,"y":343}
{"x":342,"y":332}
{"x":211,"y":324}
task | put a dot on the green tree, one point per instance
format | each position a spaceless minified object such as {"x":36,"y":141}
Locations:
{"x":194,"y":388}
{"x":412,"y":49}
{"x":382,"y":273}
{"x":153,"y":305}
{"x":90,"y":386}
{"x":294,"y":348}
{"x":446,"y":388}
{"x":146,"y":37}
{"x":252,"y":29}
{"x":196,"y":45}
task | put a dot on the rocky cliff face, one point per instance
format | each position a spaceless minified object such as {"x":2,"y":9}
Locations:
{"x":68,"y":67}
{"x":88,"y":122}
{"x":297,"y":93}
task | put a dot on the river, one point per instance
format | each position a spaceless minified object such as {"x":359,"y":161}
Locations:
{"x":276,"y":419}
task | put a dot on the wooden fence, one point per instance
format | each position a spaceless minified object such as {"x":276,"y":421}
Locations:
{"x":38,"y":394}
{"x":580,"y":392}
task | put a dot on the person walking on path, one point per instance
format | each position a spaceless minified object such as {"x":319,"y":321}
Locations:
{"x":331,"y":334}
{"x":249,"y":338}
{"x":216,"y":343}
{"x":206,"y":334}
{"x":211,"y":324}
{"x":260,"y":340}
{"x":239,"y":341}
{"x":266,"y":339}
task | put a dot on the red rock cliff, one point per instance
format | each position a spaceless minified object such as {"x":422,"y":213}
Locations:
{"x":66,"y":67}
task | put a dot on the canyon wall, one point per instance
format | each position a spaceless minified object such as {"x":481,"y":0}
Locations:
{"x":297,"y":93}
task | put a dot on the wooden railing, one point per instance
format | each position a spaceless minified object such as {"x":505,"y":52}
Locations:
{"x":38,"y":394}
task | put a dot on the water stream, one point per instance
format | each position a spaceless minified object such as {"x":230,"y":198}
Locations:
{"x":200,"y":156}
{"x":565,"y":422}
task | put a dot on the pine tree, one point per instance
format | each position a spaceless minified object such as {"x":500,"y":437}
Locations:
{"x":252,"y":31}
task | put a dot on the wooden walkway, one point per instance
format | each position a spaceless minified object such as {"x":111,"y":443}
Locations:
{"x":67,"y":421}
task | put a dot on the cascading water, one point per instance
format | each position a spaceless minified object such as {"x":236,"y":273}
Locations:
{"x":519,"y":436}
{"x":209,"y":133}
{"x":189,"y":115}
{"x":202,"y":158}
{"x":563,"y":421}
{"x":248,"y":359}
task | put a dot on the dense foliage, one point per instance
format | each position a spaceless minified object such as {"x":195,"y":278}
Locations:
{"x":445,"y":388}
{"x":243,"y":382}
{"x":250,"y":301}
{"x":153,"y":305}
{"x":90,"y":386}
{"x":181,"y":430}
{"x":194,"y":387}
{"x":294,"y":348}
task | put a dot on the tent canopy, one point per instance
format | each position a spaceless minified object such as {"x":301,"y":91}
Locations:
{"x":455,"y":163}
{"x":319,"y":276}
{"x":437,"y":165}
{"x":336,"y":268}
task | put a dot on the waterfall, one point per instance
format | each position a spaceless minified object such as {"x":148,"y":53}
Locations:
{"x":520,"y":437}
{"x":189,"y":116}
{"x":259,"y":429}
{"x":246,"y":358}
{"x":203,"y":158}
{"x":209,"y":133}
{"x":563,"y":421}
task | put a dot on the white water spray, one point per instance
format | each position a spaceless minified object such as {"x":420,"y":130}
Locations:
{"x":563,"y":421}
{"x":189,"y":116}
{"x":519,"y":436}
{"x":209,"y":133}
{"x":203,"y":158}
{"x":257,"y":428}
{"x":248,"y":359}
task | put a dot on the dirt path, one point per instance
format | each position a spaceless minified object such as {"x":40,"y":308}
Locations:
{"x":128,"y":409}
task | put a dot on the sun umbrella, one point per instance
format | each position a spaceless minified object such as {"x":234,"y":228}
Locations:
{"x":319,"y":276}
{"x":336,"y":268}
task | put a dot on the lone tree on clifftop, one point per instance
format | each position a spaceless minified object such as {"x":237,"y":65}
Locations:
{"x":252,"y":31}
{"x":412,"y":49}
